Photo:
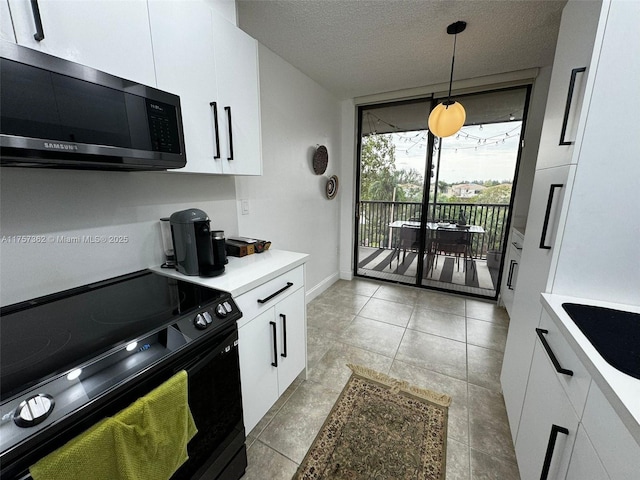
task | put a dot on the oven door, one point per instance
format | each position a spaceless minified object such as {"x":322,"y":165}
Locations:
{"x":217,"y":451}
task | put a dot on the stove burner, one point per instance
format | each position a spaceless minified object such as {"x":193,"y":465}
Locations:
{"x":22,"y":353}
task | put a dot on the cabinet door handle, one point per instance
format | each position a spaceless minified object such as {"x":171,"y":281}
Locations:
{"x":265,"y":300}
{"x":228,"y":110}
{"x":214,"y":107}
{"x":510,"y":277}
{"x":567,"y":108}
{"x":552,"y":355}
{"x":284,"y":334}
{"x":275,"y":344}
{"x":515,"y":245}
{"x":553,"y":436}
{"x":39,"y":35}
{"x":547,"y":214}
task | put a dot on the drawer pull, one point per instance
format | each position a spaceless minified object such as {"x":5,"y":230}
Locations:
{"x":275,"y":344}
{"x":284,"y":334}
{"x":265,"y":300}
{"x":552,"y":356}
{"x":510,"y":277}
{"x":567,"y":108}
{"x":516,"y":246}
{"x":553,"y":436}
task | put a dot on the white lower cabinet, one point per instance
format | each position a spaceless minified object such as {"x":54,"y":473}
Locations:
{"x":512,"y":266}
{"x":591,"y":440}
{"x":585,"y":463}
{"x":616,"y":447}
{"x":272,"y":349}
{"x":548,"y":426}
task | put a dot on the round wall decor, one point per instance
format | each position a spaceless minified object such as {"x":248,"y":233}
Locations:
{"x":332,"y":187}
{"x":320,"y":160}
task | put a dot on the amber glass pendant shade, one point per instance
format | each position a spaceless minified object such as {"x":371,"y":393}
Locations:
{"x":446,"y":120}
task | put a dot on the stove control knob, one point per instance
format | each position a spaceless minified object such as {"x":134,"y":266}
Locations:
{"x":33,"y":410}
{"x":227,"y":307}
{"x":207,"y":317}
{"x":220,"y":311}
{"x":200,"y":322}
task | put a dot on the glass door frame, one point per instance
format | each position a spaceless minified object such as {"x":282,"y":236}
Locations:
{"x":426,"y":204}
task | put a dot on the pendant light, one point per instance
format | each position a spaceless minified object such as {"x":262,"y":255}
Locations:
{"x":449,"y":116}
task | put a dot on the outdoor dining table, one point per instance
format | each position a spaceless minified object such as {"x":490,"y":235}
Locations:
{"x":435,"y":226}
{"x":473,"y":229}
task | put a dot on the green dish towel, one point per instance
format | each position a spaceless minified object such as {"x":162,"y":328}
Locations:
{"x":147,"y":440}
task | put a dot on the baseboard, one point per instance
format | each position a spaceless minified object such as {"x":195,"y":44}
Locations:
{"x":346,"y":275}
{"x":321,"y":287}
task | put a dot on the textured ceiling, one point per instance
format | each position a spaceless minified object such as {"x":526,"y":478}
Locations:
{"x":361,"y":47}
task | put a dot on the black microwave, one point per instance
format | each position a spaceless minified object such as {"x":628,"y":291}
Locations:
{"x":59,"y":114}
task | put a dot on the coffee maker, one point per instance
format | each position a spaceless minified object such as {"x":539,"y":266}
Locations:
{"x":192,"y":246}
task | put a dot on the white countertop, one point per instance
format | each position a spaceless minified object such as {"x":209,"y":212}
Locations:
{"x":244,"y":273}
{"x":622,"y":390}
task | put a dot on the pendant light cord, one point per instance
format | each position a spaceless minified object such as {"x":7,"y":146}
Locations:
{"x":453,"y":59}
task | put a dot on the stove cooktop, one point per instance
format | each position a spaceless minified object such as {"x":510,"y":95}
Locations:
{"x":51,"y":334}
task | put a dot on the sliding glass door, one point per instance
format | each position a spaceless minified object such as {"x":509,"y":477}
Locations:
{"x":435,"y":212}
{"x":393,"y":159}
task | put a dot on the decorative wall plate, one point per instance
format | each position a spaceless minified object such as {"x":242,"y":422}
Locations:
{"x":320,"y":160}
{"x":332,"y":187}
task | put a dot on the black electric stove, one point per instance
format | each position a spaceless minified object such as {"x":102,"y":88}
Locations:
{"x":89,"y":351}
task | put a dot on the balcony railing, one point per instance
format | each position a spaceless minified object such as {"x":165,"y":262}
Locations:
{"x":375,"y":217}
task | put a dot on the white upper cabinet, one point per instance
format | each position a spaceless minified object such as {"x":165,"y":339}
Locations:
{"x":184,"y":55}
{"x":110,"y":36}
{"x":576,"y":38}
{"x":6,"y":26}
{"x":213,"y":66}
{"x":239,"y":94}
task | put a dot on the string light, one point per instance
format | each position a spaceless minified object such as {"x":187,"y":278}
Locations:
{"x":420,"y":138}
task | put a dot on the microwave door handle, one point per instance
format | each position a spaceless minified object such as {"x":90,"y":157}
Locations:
{"x":228,"y":110}
{"x":39,"y":35}
{"x":214,"y":107}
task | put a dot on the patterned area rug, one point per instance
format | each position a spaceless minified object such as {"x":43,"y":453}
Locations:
{"x":380,"y":428}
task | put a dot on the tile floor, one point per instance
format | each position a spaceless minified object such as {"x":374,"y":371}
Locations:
{"x":443,"y":342}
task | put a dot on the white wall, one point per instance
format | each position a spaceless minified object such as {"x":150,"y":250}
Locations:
{"x":287,"y":204}
{"x":70,"y":203}
{"x":348,"y":199}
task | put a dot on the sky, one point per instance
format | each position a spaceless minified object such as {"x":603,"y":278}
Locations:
{"x":487,"y":152}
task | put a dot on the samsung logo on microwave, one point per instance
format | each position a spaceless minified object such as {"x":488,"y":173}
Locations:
{"x":60,"y":146}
